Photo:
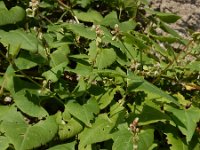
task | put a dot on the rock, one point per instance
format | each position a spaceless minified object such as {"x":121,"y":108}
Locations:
{"x":187,"y":9}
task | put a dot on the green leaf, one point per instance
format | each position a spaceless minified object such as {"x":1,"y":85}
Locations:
{"x":160,"y":49}
{"x":81,"y":30}
{"x":146,"y":138}
{"x":138,"y":84}
{"x":12,"y":16}
{"x":92,"y":51}
{"x":89,"y":16}
{"x":8,"y":79}
{"x":62,"y":88}
{"x":169,"y":30}
{"x":105,"y":58}
{"x":194,"y":66}
{"x":96,"y":90}
{"x":176,"y":142}
{"x":80,"y":88}
{"x":28,"y":60}
{"x":29,"y":104}
{"x":14,"y":84}
{"x":83,"y":113}
{"x":82,"y":69}
{"x":131,"y":4}
{"x":109,"y":73}
{"x":105,"y":99}
{"x":123,"y":139}
{"x":4,"y":143}
{"x":167,"y":17}
{"x":60,"y":55}
{"x":24,"y":136}
{"x":169,"y":39}
{"x":83,"y":3}
{"x":195,"y":142}
{"x":173,"y":137}
{"x":100,"y":131}
{"x":4,"y":110}
{"x":110,"y":20}
{"x":67,"y":146}
{"x":2,"y":5}
{"x":131,"y":51}
{"x":19,"y":38}
{"x":136,"y":41}
{"x":127,"y":25}
{"x":181,"y":99}
{"x":69,"y":129}
{"x":115,"y":109}
{"x":150,"y":115}
{"x":92,"y":106}
{"x":164,"y":16}
{"x":55,"y":73}
{"x":186,"y":120}
{"x":44,"y":4}
{"x":66,"y":116}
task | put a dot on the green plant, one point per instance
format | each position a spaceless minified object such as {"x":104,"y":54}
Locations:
{"x":84,"y":74}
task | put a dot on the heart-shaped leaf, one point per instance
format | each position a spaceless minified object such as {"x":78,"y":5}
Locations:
{"x":24,"y":136}
{"x":12,"y":16}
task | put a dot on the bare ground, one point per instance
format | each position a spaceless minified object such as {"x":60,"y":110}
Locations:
{"x":189,"y":10}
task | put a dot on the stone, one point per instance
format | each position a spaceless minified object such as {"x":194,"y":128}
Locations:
{"x":187,"y":9}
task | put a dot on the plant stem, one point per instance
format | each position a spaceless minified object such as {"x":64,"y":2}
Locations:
{"x":69,"y":9}
{"x":21,"y":76}
{"x":27,"y":77}
{"x":172,"y":62}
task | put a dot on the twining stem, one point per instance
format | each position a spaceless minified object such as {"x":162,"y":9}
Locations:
{"x":22,"y":76}
{"x":69,"y":9}
{"x":27,"y":77}
{"x":48,"y":20}
{"x":172,"y":62}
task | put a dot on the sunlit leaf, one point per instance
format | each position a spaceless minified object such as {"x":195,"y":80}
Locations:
{"x":146,"y":138}
{"x":99,"y":131}
{"x":25,"y":136}
{"x":168,"y":17}
{"x":136,"y":41}
{"x":176,"y":142}
{"x":4,"y":142}
{"x":67,"y":146}
{"x":105,"y":58}
{"x":151,"y":114}
{"x":172,"y":32}
{"x":26,"y":60}
{"x":20,"y":38}
{"x":186,"y":120}
{"x":60,"y":55}
{"x":83,"y":113}
{"x":106,"y":99}
{"x":81,"y":30}
{"x":69,"y":129}
{"x":12,"y":16}
{"x":110,"y":19}
{"x":194,"y":66}
{"x":55,"y":73}
{"x":139,"y":84}
{"x":83,"y":3}
{"x":123,"y":139}
{"x":29,"y":104}
{"x":89,"y":16}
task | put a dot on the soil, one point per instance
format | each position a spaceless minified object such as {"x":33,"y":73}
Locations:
{"x":187,"y":9}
